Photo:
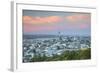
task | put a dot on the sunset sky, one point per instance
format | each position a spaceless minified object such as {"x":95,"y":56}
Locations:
{"x":52,"y":22}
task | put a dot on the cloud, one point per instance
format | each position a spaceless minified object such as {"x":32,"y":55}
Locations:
{"x":41,"y":20}
{"x":78,"y":21}
{"x":29,"y":28}
{"x":51,"y":23}
{"x":40,"y":23}
{"x":78,"y":18}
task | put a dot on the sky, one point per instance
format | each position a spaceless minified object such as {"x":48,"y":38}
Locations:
{"x":52,"y":22}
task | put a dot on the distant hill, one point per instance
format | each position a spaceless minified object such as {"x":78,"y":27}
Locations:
{"x":50,"y":36}
{"x":38,"y":36}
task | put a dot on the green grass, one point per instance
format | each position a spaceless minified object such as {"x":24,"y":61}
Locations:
{"x":67,"y":55}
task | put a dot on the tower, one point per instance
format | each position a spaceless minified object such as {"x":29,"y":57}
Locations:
{"x":60,"y":37}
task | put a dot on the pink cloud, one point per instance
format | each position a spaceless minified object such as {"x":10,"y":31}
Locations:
{"x":41,"y":20}
{"x":35,"y":24}
{"x":30,"y":28}
{"x":32,"y":24}
{"x":78,"y":17}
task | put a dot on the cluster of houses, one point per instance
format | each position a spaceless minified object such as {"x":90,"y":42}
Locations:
{"x":53,"y":46}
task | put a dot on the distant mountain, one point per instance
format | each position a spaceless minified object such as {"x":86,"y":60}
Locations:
{"x":27,"y":36}
{"x":38,"y":36}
